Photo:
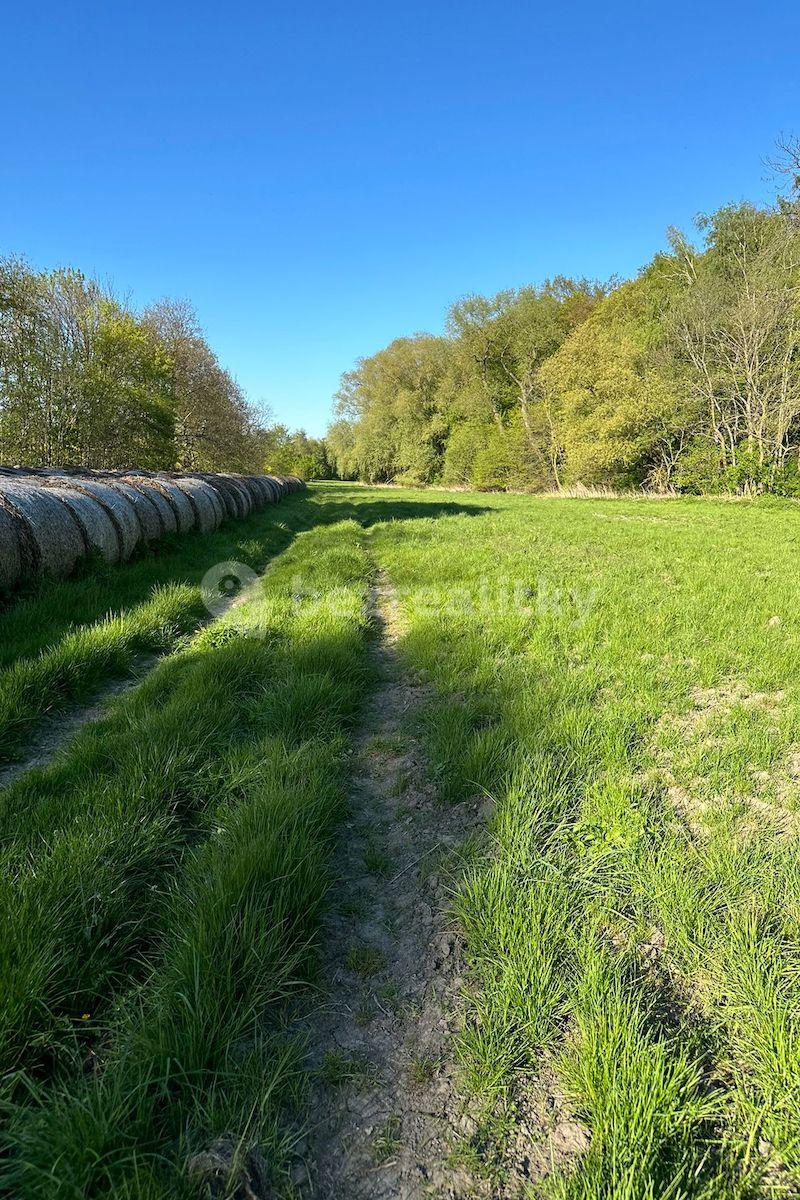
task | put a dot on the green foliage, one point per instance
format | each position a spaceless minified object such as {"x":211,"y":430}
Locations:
{"x":687,"y":377}
{"x":286,"y":453}
{"x":85,"y":381}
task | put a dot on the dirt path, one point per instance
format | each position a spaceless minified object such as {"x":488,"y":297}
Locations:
{"x":55,"y":731}
{"x":389,"y":1113}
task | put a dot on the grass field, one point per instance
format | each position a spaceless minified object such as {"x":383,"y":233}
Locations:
{"x":616,"y":678}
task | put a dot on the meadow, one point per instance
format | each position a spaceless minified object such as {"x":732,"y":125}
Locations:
{"x":614,"y":680}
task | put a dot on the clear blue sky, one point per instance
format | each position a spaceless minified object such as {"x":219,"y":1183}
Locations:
{"x":320,"y":178}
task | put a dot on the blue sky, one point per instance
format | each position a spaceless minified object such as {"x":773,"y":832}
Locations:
{"x":320,"y":178}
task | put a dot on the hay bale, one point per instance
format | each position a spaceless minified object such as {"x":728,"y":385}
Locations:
{"x":204,"y":501}
{"x":184,"y":513}
{"x":248,"y":484}
{"x":244,"y":497}
{"x":236,"y":494}
{"x":267,"y":489}
{"x":264,"y":489}
{"x":118,"y":507}
{"x":50,"y":540}
{"x":99,"y":531}
{"x":143,"y":484}
{"x":279,"y":484}
{"x":150,"y":521}
{"x":10,"y":551}
{"x":226,"y":492}
{"x":272,"y":484}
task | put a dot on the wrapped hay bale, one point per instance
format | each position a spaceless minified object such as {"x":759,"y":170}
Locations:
{"x":242,"y":491}
{"x":277,"y":490}
{"x":50,"y":539}
{"x":99,"y":531}
{"x":226,"y":492}
{"x":143,"y":484}
{"x":236,"y":494}
{"x":119,"y":508}
{"x":184,"y":513}
{"x":263,"y":489}
{"x":268,"y":490}
{"x":150,"y":522}
{"x":277,"y":484}
{"x":10,"y":550}
{"x":248,"y":485}
{"x":204,"y":500}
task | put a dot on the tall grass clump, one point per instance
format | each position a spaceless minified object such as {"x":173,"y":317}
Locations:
{"x":206,"y":807}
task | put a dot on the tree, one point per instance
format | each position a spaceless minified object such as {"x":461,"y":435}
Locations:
{"x":737,"y":332}
{"x":616,"y":406}
{"x":215,"y":427}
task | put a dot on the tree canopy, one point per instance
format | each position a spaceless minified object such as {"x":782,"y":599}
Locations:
{"x":686,"y":377}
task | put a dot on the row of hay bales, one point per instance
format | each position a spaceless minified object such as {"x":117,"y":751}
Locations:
{"x":51,"y":519}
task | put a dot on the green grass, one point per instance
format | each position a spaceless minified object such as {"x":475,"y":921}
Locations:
{"x":161,"y":886}
{"x":608,"y":679}
{"x":365,"y":960}
{"x":64,"y":638}
{"x":652,"y":954}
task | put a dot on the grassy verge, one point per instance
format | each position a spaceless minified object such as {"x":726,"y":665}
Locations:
{"x":64,"y":638}
{"x":161,"y":884}
{"x":630,"y":920}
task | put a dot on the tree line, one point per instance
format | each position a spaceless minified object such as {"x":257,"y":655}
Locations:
{"x":86,"y":381}
{"x":686,"y":377}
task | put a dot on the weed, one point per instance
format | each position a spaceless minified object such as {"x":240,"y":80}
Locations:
{"x":365,"y":960}
{"x":387,"y":1141}
{"x":340,"y":1069}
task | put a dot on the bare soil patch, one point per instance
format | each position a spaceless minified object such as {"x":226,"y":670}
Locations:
{"x":775,"y":794}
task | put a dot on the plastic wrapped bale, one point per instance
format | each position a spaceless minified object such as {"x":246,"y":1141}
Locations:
{"x":119,"y":508}
{"x":278,"y":484}
{"x":228,"y":495}
{"x":204,"y":500}
{"x":264,"y":489}
{"x":248,"y":485}
{"x":184,"y":513}
{"x":261,"y":490}
{"x":150,"y":522}
{"x":11,"y":558}
{"x":51,"y":540}
{"x":244,"y":497}
{"x":216,"y":500}
{"x":99,"y":531}
{"x":270,"y":489}
{"x":251,"y":486}
{"x":143,"y":484}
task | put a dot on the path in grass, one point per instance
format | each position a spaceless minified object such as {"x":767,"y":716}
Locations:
{"x":56,"y":731}
{"x":386,"y":1105}
{"x":61,"y":725}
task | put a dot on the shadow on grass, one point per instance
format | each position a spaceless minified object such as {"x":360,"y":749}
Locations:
{"x":43,"y":610}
